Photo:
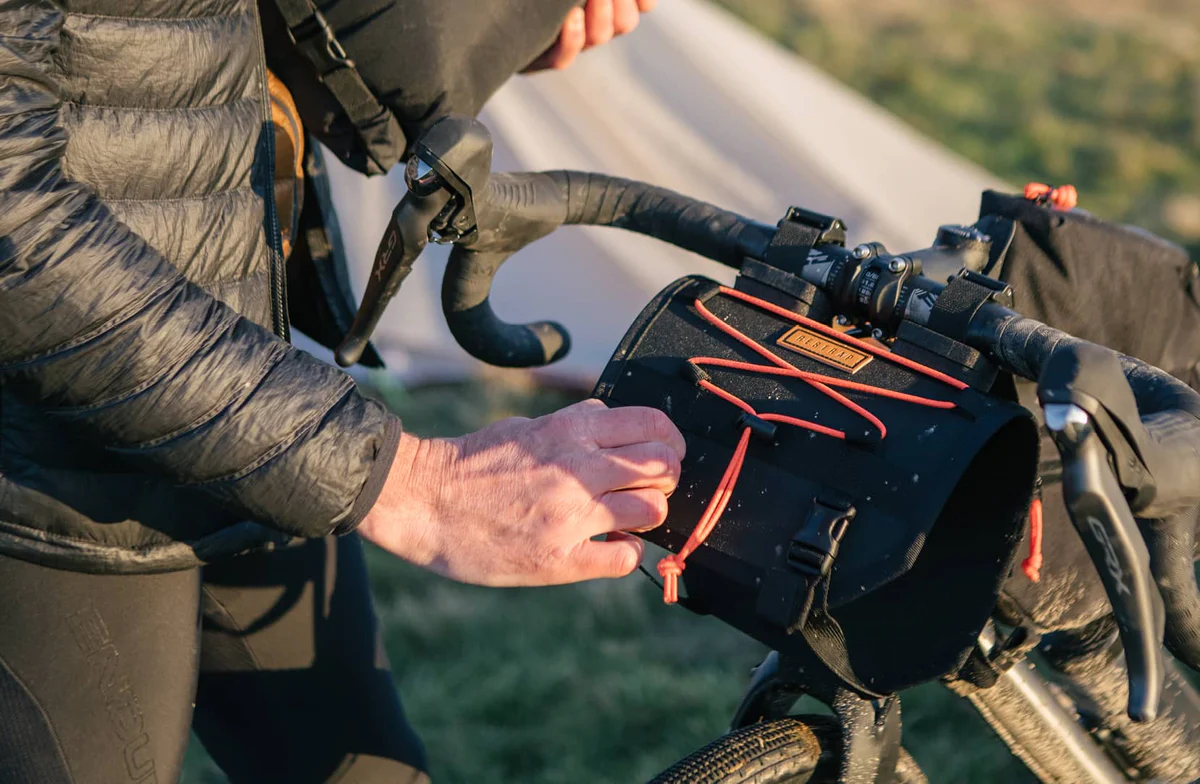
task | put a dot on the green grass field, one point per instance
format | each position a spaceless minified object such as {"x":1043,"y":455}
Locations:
{"x":1101,"y":94}
{"x":591,"y":683}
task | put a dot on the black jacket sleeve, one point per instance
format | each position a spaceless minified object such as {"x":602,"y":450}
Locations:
{"x":102,"y":332}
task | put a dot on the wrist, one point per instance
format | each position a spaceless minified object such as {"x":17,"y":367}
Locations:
{"x":403,"y":519}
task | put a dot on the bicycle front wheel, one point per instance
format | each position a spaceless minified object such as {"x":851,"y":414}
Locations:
{"x":801,"y":750}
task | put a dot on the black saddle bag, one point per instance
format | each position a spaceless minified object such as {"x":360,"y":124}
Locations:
{"x":876,"y":560}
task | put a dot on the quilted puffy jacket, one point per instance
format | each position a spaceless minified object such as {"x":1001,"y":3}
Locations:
{"x":152,"y":414}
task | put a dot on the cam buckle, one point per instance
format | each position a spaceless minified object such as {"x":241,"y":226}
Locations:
{"x":830,"y":230}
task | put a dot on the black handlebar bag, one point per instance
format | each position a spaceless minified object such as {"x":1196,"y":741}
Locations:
{"x":878,"y":504}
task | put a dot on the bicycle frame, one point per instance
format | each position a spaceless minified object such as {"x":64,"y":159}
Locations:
{"x":1032,"y":717}
{"x":1038,"y":721}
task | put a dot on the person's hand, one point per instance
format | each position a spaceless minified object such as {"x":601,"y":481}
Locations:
{"x":597,"y":23}
{"x":520,"y":502}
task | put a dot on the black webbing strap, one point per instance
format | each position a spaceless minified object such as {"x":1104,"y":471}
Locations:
{"x":794,"y":595}
{"x":958,"y":303}
{"x":791,"y":245}
{"x":310,"y":31}
{"x":826,"y":639}
{"x":799,"y":232}
{"x":786,"y":595}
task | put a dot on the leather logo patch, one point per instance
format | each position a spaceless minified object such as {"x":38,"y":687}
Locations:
{"x":831,"y":352}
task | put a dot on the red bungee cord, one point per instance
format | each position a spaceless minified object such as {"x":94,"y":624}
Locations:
{"x":672,"y":566}
{"x":1032,"y":565}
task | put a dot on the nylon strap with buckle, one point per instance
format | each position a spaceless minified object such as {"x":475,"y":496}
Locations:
{"x":376,"y":126}
{"x":787,"y":592}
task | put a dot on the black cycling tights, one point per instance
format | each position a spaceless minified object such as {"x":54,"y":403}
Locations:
{"x":98,"y":673}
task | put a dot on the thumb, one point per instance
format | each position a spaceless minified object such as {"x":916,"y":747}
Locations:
{"x":618,"y":556}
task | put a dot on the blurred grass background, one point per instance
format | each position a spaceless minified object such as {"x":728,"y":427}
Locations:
{"x":601,"y":682}
{"x":1101,"y":94}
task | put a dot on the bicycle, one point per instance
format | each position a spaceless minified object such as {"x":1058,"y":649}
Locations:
{"x":1127,"y":433}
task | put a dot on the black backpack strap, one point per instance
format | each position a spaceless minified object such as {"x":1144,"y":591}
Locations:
{"x":374,"y":123}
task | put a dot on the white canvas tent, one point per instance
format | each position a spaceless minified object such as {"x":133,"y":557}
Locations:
{"x":696,"y":101}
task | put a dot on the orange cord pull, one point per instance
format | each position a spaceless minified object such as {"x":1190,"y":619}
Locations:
{"x":1032,"y":566}
{"x":672,"y":566}
{"x":1064,"y":197}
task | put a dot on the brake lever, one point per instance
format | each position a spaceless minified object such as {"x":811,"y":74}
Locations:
{"x":449,"y":166}
{"x":403,"y":241}
{"x":1101,"y":515}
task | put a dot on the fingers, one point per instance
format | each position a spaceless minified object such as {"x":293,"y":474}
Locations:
{"x":617,"y":427}
{"x":629,"y":510}
{"x":571,"y":40}
{"x":596,"y":23}
{"x":651,"y":465}
{"x":616,"y":557}
{"x":599,"y":17}
{"x":625,"y":16}
{"x":607,"y":19}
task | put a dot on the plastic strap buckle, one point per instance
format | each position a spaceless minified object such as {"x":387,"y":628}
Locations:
{"x":830,"y":230}
{"x":788,"y":591}
{"x":1001,"y":291}
{"x":315,"y":37}
{"x":815,"y":545}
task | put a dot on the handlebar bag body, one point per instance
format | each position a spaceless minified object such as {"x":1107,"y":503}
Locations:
{"x":939,"y":503}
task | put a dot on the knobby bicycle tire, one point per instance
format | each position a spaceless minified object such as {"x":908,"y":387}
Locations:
{"x":800,"y":750}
